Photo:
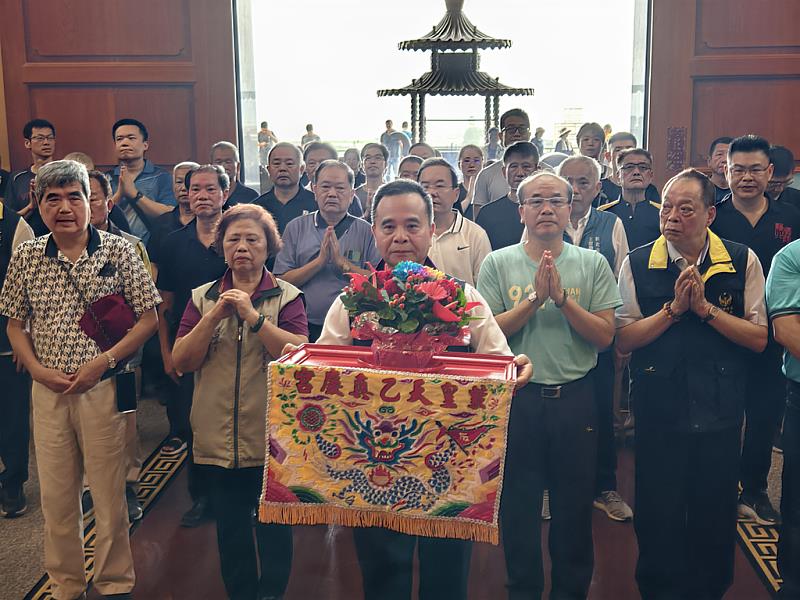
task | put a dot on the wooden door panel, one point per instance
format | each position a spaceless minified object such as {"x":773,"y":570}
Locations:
{"x":721,"y":67}
{"x":83,"y":64}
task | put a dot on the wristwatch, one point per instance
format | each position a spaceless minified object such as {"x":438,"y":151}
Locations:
{"x":533,"y":298}
{"x":139,"y":195}
{"x":713,"y":313}
{"x":112,"y":362}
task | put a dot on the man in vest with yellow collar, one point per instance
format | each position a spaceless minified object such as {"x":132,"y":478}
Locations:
{"x":693,"y":315}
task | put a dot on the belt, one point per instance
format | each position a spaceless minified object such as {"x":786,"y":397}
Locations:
{"x":556,"y":391}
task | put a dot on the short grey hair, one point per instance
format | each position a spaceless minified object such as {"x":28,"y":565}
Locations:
{"x":60,"y":173}
{"x":226,"y":146}
{"x":587,"y":160}
{"x":187,"y":164}
{"x":532,"y":178}
{"x":295,"y":149}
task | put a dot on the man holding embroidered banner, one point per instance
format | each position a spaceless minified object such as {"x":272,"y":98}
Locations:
{"x":402,"y":217}
{"x":554,"y":301}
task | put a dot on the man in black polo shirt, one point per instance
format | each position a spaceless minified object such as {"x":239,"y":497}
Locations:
{"x":175,"y":219}
{"x":717,"y":157}
{"x":750,"y":217}
{"x":639,"y":215}
{"x":779,"y":187}
{"x":287,"y":200}
{"x":15,"y":429}
{"x":189,"y":260}
{"x":226,"y":155}
{"x":500,"y":218}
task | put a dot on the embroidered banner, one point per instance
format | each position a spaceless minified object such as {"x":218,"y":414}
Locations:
{"x":417,"y":453}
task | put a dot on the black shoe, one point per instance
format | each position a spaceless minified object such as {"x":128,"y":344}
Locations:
{"x":758,"y":508}
{"x":135,"y":511}
{"x":13,"y":502}
{"x":87,"y":503}
{"x":197,"y":514}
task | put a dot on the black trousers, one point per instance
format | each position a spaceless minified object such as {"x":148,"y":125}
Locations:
{"x":386,"y":558}
{"x":179,"y":407}
{"x":686,"y":496}
{"x":552,"y":442}
{"x":766,"y":398}
{"x":603,"y":375}
{"x":314,"y":331}
{"x":234,"y":497}
{"x":789,"y":540}
{"x":15,"y":429}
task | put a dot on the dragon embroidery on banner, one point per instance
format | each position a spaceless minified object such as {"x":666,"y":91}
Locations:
{"x":382,"y":447}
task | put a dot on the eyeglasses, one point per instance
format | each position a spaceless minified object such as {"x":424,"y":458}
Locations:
{"x":538,"y":203}
{"x":42,"y":138}
{"x":439,"y":187}
{"x":515,"y":129}
{"x":755,"y":171}
{"x":630,"y":167}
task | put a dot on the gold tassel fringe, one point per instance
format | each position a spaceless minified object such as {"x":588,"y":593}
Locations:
{"x":316,"y":514}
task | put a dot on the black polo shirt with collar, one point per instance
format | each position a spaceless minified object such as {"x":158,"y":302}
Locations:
{"x":163,"y":225}
{"x":501,"y":221}
{"x":642,"y":222}
{"x":790,"y":196}
{"x":302,"y":203}
{"x":778,"y":226}
{"x":614,"y":192}
{"x":185,"y":263}
{"x":241,"y":195}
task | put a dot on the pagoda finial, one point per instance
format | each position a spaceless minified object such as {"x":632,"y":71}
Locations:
{"x":454,"y":6}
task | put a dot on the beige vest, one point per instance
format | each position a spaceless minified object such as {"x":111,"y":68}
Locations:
{"x":229,"y":405}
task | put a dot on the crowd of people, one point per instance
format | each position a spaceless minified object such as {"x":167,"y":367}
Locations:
{"x":584,"y":270}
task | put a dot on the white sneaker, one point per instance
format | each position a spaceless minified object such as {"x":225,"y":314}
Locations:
{"x":613,"y":505}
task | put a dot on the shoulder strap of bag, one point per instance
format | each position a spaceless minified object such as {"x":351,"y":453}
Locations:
{"x":85,"y":301}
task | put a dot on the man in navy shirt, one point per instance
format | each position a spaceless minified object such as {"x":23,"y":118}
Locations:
{"x":779,"y":186}
{"x":639,"y":215}
{"x":748,"y":216}
{"x":501,"y":218}
{"x":717,"y":157}
{"x":287,"y":199}
{"x":226,"y":155}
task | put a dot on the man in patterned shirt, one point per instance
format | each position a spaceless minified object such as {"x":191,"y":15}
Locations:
{"x":77,"y":426}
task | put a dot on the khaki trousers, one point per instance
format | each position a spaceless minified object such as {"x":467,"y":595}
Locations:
{"x":72,"y":434}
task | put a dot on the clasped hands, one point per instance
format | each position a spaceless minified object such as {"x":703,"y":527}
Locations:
{"x":690,"y":294}
{"x":547,"y":282}
{"x":236,"y":302}
{"x":330,"y":252}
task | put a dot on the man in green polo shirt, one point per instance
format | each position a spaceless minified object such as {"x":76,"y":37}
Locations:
{"x":783,"y":305}
{"x":555,"y":302}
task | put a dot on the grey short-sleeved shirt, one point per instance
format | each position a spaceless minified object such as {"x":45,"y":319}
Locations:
{"x":302,"y":239}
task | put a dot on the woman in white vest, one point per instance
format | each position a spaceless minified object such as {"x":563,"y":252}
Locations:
{"x":231,"y":329}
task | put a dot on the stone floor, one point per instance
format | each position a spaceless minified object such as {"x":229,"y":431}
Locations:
{"x":175,"y":563}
